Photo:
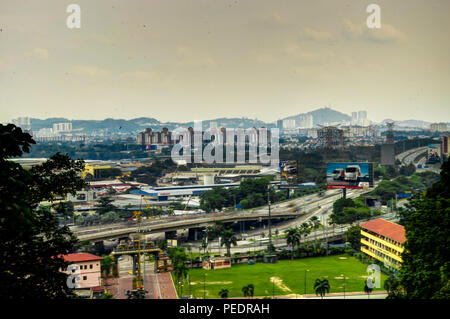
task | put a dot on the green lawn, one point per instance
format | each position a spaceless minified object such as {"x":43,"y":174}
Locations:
{"x":288,"y":274}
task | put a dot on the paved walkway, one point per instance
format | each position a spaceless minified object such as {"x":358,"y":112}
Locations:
{"x":158,"y":285}
{"x":166,"y":286}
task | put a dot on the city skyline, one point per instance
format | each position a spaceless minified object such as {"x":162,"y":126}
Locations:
{"x":178,"y":62}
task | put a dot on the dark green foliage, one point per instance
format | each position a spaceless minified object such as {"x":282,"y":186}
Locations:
{"x":178,"y":257}
{"x":223,"y":293}
{"x":393,"y":287}
{"x":228,"y":238}
{"x":321,"y":286}
{"x":149,"y":174}
{"x":353,"y":236}
{"x":64,"y":209}
{"x":107,"y":265}
{"x":105,"y":205}
{"x":162,"y":244}
{"x":341,"y":203}
{"x":425,"y":272}
{"x":387,"y":189}
{"x":347,"y":211}
{"x":31,"y":239}
{"x":408,"y":170}
{"x":248,"y":290}
{"x":293,"y":238}
{"x":250,"y":193}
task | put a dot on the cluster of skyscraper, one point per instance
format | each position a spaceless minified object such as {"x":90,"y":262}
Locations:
{"x":150,"y":137}
{"x":438,"y":127}
{"x":300,"y":121}
{"x":360,"y":118}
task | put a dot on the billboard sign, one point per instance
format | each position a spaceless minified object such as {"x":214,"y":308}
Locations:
{"x":288,"y":172}
{"x":171,"y":243}
{"x":349,"y":175}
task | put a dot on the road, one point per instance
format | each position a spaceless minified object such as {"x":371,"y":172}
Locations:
{"x":251,"y":240}
{"x":302,"y":205}
{"x":355,"y":295}
{"x":409,"y":156}
{"x":158,"y":285}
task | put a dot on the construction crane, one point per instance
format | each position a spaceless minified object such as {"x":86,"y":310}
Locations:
{"x":140,"y":282}
{"x":185,"y":207}
{"x":148,"y":205}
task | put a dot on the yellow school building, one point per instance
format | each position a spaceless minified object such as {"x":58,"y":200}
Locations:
{"x":383,"y":240}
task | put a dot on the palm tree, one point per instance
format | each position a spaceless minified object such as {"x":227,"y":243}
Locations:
{"x":367,"y":289}
{"x":305,"y":229}
{"x":245,"y":291}
{"x":321,"y":286}
{"x":293,"y":237}
{"x":248,"y":290}
{"x":204,"y":244}
{"x":223,"y":293}
{"x":181,"y":272}
{"x":190,"y":251}
{"x":314,"y":222}
{"x":251,"y":290}
{"x":228,"y":239}
{"x":106,"y":265}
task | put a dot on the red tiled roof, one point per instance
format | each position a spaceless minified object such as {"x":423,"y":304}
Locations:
{"x":79,"y":257}
{"x":386,"y":228}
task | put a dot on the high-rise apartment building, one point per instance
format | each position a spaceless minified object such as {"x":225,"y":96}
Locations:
{"x":438,"y":127}
{"x":62,"y":127}
{"x":445,"y":145}
{"x":23,"y":122}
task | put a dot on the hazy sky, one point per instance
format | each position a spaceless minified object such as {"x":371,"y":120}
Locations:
{"x":200,"y":59}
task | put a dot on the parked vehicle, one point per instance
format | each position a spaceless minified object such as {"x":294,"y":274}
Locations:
{"x":338,"y":174}
{"x":352,"y":173}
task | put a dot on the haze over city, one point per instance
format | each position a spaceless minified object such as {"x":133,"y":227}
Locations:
{"x":181,"y":61}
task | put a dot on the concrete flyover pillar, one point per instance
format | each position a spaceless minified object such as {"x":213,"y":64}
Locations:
{"x":171,"y":234}
{"x":195,"y":233}
{"x":99,"y":246}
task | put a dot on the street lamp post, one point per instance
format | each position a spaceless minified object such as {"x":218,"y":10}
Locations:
{"x":306,"y":270}
{"x":273,"y":288}
{"x":204,"y":285}
{"x":270,"y":223}
{"x":344,"y":284}
{"x":189,"y":282}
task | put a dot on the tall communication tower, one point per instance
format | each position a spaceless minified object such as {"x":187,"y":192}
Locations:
{"x":390,"y":134}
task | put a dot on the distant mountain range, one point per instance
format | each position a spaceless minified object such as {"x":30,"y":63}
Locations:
{"x":139,"y":124}
{"x":324,"y":115}
{"x":320,"y":117}
{"x":408,"y":123}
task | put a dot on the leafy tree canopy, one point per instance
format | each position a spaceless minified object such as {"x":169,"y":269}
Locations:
{"x":425,"y":272}
{"x":31,"y":239}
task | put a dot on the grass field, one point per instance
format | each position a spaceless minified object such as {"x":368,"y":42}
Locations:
{"x":289,"y":277}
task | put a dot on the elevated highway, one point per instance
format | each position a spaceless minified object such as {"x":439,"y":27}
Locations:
{"x":293,"y":209}
{"x":410,"y":156}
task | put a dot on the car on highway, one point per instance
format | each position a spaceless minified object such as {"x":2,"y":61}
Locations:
{"x":352,"y":173}
{"x":338,"y":174}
